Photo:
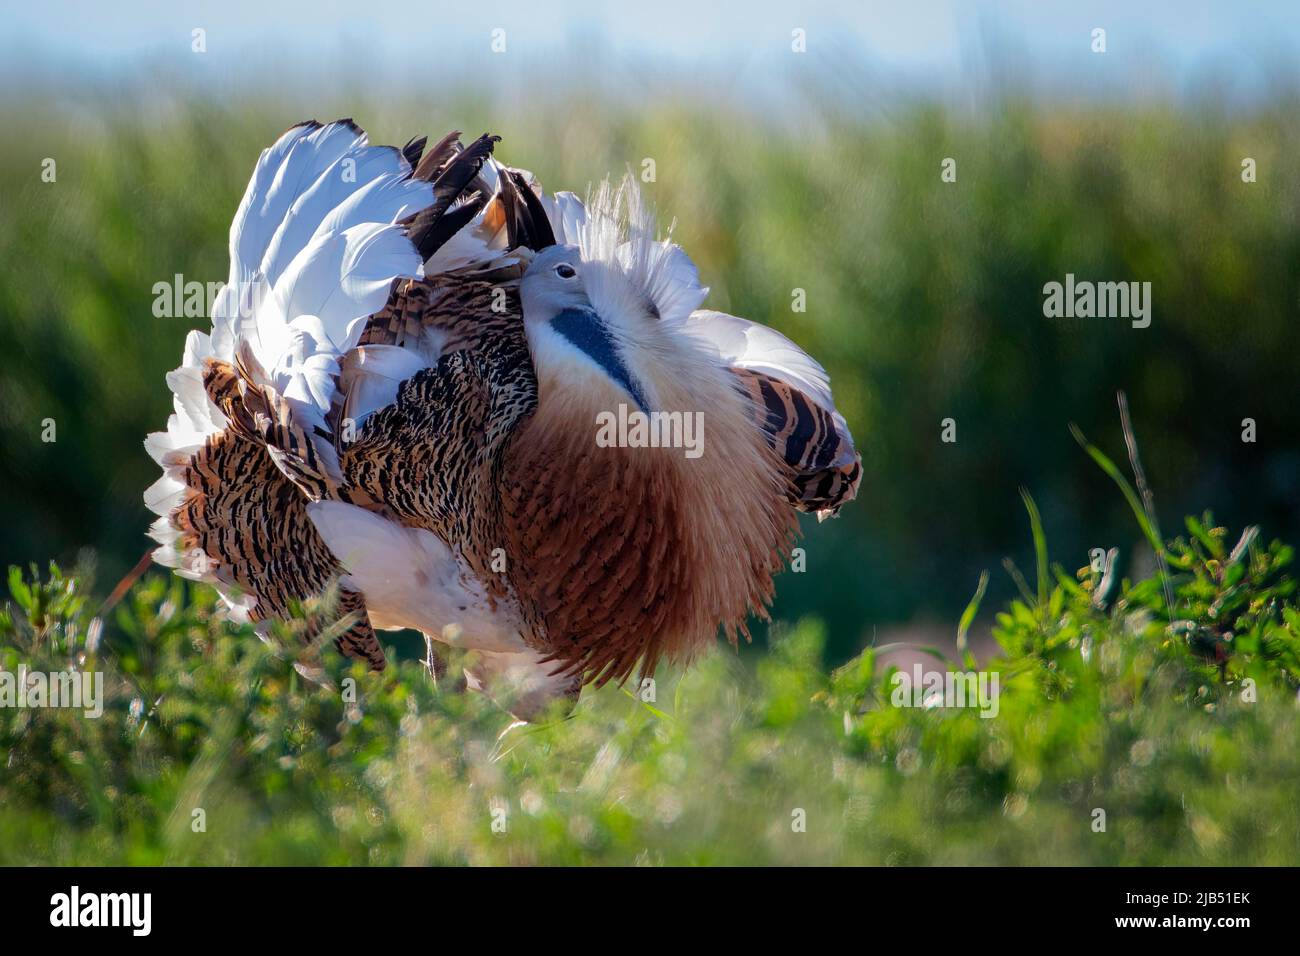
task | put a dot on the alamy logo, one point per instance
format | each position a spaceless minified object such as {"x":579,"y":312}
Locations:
{"x":76,"y":690}
{"x":183,"y":298}
{"x":134,"y":910}
{"x":637,"y":429}
{"x":1102,"y":300}
{"x":947,"y":689}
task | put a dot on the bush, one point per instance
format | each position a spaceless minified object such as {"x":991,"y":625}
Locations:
{"x":1181,"y":727}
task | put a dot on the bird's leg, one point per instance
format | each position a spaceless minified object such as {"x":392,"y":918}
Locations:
{"x":434,"y":661}
{"x":522,"y":684}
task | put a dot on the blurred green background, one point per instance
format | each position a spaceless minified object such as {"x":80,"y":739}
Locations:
{"x":924,"y":301}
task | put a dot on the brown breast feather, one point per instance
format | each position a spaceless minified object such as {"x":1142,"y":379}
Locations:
{"x":622,"y":556}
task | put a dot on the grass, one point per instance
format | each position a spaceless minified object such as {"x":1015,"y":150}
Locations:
{"x":1176,"y":718}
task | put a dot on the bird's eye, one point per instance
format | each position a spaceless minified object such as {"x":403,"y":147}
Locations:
{"x":565,"y":271}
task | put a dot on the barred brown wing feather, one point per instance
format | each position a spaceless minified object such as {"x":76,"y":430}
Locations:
{"x":432,"y":458}
{"x":245,"y":522}
{"x":804,"y":435}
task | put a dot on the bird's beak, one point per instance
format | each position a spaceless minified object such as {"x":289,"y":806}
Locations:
{"x":585,"y":329}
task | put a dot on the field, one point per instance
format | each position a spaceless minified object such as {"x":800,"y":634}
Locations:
{"x":924,"y":299}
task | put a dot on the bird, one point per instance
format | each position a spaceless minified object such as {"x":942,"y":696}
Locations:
{"x":460,"y":402}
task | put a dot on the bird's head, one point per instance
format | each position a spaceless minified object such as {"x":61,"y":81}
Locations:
{"x":554,"y":282}
{"x":570,"y":333}
{"x":600,"y":308}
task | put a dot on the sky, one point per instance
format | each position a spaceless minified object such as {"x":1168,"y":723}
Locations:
{"x":940,"y":45}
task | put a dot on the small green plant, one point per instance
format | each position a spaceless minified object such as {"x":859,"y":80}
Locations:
{"x":1138,"y":720}
{"x":44,"y":607}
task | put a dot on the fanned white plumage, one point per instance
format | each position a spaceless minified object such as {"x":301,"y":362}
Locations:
{"x":618,"y":229}
{"x":567,"y":215}
{"x":283,"y":172}
{"x":370,"y":185}
{"x":314,"y":250}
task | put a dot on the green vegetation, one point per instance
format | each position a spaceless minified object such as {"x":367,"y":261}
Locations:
{"x":1181,"y":727}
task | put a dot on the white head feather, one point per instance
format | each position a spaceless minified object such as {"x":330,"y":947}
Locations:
{"x":618,"y":229}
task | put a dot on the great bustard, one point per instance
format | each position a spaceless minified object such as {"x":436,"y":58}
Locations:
{"x":411,"y":385}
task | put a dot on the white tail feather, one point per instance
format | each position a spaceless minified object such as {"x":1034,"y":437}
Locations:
{"x":314,"y":250}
